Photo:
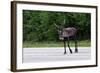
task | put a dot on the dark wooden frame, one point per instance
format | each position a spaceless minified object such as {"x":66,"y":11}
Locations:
{"x":14,"y":35}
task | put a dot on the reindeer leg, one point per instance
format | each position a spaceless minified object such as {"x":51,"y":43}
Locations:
{"x":68,"y":45}
{"x":76,"y":49}
{"x":64,"y":46}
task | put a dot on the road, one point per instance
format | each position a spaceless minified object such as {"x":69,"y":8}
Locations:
{"x":54,"y":54}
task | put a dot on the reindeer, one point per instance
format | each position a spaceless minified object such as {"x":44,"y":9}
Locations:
{"x":65,"y":34}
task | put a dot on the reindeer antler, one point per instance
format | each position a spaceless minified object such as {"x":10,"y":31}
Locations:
{"x":56,"y":25}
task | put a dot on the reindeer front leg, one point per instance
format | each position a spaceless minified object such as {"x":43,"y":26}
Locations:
{"x":68,"y":45}
{"x":64,"y":46}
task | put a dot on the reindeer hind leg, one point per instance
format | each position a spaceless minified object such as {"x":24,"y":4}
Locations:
{"x":76,"y":49}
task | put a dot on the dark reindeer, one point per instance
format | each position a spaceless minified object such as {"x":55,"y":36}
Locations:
{"x":65,"y":34}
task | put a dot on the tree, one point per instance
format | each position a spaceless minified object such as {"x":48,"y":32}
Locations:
{"x":39,"y":26}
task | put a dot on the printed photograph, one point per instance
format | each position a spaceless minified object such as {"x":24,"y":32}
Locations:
{"x":56,"y":36}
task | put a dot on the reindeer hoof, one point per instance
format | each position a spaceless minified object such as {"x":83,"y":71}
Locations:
{"x":71,"y":51}
{"x":76,"y":51}
{"x":64,"y":53}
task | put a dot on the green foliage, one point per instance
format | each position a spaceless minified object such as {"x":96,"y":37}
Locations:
{"x":38,"y":26}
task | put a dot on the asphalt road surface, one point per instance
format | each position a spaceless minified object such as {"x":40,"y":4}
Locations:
{"x":54,"y":54}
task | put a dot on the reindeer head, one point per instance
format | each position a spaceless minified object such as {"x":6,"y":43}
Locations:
{"x":60,"y":31}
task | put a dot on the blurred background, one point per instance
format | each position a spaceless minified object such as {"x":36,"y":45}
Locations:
{"x":39,"y":29}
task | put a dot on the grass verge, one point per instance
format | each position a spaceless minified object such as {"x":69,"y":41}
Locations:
{"x":29,"y":44}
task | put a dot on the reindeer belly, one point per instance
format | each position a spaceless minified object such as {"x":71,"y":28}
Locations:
{"x":68,"y":33}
